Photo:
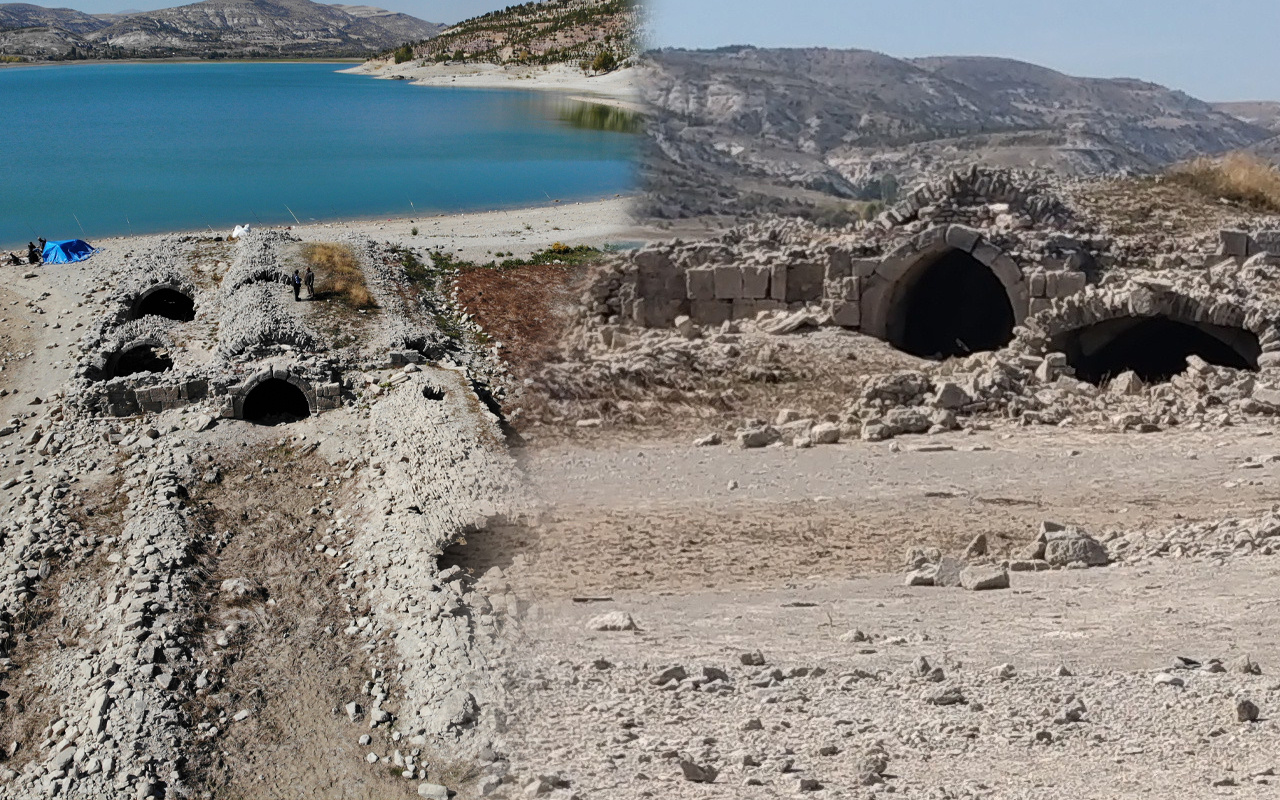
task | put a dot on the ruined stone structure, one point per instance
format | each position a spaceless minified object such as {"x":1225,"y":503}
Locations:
{"x":884,"y":294}
{"x":150,"y":419}
{"x":963,"y":265}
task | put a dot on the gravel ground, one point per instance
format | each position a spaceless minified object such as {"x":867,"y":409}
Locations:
{"x":718,"y":552}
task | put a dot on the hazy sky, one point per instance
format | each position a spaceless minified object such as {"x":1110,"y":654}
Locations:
{"x":1223,"y":50}
{"x":430,"y":10}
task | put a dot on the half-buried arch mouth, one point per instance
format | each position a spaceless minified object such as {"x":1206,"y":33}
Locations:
{"x":164,"y":301}
{"x":1154,"y":347}
{"x":137,"y":359}
{"x":275,"y":401}
{"x":950,"y":305}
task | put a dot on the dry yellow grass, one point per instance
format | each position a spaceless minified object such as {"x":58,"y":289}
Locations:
{"x":1239,"y":177}
{"x":338,"y":274}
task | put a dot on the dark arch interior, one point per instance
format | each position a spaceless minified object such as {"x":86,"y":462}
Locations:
{"x":952,"y":306}
{"x":275,"y":401}
{"x":142,"y":358}
{"x":168,"y":303}
{"x":1155,"y":348}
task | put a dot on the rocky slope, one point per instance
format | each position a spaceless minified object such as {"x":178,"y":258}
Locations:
{"x":1264,"y":113}
{"x":25,"y":15}
{"x":856,"y":124}
{"x":213,"y":27}
{"x":550,"y":32}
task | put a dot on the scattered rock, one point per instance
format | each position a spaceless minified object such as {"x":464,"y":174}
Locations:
{"x":1246,"y":711}
{"x":982,"y":577}
{"x":615,"y":621}
{"x":696,"y":773}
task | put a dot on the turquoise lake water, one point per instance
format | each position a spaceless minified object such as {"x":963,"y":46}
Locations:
{"x":144,"y":148}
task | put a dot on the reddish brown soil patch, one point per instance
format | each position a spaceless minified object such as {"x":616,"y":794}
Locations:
{"x":521,"y":307}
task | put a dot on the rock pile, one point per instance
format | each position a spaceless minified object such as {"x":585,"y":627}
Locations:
{"x":1054,"y":547}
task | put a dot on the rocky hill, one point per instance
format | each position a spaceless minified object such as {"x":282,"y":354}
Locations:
{"x":25,"y":15}
{"x":225,"y":28}
{"x":854,"y":124}
{"x":551,"y":32}
{"x":1264,"y":113}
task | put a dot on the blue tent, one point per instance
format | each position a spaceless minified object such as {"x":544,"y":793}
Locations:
{"x":67,"y":252}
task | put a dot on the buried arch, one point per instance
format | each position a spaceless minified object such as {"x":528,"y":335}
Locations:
{"x":164,"y":300}
{"x":1151,"y":332}
{"x":275,"y":398}
{"x":138,"y":356}
{"x":946,"y":293}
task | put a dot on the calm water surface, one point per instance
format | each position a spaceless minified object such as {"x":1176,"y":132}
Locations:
{"x":144,"y":148}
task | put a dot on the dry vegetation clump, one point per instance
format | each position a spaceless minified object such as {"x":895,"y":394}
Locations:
{"x":338,"y":274}
{"x":1239,"y":177}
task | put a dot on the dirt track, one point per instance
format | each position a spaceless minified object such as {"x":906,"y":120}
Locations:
{"x":662,"y":517}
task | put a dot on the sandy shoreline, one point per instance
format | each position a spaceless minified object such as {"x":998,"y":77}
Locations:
{"x":615,"y":88}
{"x":473,"y":236}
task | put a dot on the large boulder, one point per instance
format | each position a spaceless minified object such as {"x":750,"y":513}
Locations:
{"x":1072,"y":546}
{"x":757,"y":437}
{"x":982,"y":577}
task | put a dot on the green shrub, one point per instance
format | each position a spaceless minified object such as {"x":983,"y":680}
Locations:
{"x":604,"y":62}
{"x":403,"y":53}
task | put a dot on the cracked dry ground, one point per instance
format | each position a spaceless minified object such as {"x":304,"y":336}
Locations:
{"x":1048,"y":690}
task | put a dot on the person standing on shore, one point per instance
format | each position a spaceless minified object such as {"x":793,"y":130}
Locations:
{"x":296,"y":280}
{"x":33,"y":255}
{"x":311,"y":284}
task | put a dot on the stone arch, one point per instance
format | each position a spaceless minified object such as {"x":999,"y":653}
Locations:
{"x":948,"y":288}
{"x":279,"y":391}
{"x":169,"y":300}
{"x":1151,"y":330}
{"x":146,"y":355}
{"x":130,"y":357}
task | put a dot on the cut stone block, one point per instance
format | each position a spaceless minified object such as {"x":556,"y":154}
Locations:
{"x":778,"y":282}
{"x":710,"y":312}
{"x":728,"y":283}
{"x":805,"y":282}
{"x":700,"y":284}
{"x":846,"y":314}
{"x":1070,"y":283}
{"x":1234,"y":243}
{"x":1039,"y":286}
{"x":962,"y":238}
{"x":755,"y":282}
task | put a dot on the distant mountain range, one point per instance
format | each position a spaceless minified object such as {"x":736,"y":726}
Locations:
{"x":213,"y":28}
{"x":786,"y":126}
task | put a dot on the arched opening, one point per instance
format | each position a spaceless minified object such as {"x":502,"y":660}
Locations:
{"x":952,"y":305}
{"x":1155,"y":348}
{"x":166,"y":302}
{"x":140,"y":358}
{"x":274,"y":402}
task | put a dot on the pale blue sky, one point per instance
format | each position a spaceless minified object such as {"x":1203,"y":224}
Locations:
{"x":1224,"y":50}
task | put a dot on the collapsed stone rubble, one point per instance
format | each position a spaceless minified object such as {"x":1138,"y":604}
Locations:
{"x":686,"y":317}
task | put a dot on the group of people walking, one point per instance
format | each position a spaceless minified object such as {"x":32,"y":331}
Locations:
{"x":298,"y":281}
